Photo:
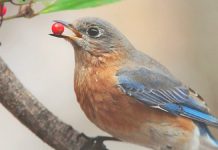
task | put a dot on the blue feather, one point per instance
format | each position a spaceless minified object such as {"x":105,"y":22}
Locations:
{"x":205,"y":132}
{"x":190,"y":113}
{"x":160,"y":91}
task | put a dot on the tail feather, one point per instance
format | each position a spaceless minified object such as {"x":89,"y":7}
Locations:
{"x":192,"y":113}
{"x":207,"y":140}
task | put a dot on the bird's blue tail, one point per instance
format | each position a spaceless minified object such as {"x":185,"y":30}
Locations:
{"x":192,"y":113}
{"x":205,"y":132}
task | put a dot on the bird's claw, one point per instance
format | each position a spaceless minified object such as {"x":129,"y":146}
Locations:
{"x":82,"y":135}
{"x":96,"y":142}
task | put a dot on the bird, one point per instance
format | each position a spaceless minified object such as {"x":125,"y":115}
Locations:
{"x":130,"y":95}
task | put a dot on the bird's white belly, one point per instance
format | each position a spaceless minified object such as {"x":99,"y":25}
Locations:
{"x":165,"y":137}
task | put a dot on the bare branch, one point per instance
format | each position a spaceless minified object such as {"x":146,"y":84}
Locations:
{"x":27,"y":109}
{"x":25,"y":11}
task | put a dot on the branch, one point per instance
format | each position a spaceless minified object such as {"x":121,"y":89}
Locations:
{"x":25,"y":11}
{"x":30,"y":112}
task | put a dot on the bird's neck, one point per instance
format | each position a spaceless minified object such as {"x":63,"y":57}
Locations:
{"x":87,"y":59}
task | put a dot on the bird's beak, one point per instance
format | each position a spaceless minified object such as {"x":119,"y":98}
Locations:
{"x":69,"y":26}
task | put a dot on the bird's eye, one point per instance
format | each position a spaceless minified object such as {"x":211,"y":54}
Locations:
{"x":93,"y":32}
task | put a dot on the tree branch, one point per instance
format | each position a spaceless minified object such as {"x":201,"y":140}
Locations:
{"x":25,"y":11}
{"x":29,"y":111}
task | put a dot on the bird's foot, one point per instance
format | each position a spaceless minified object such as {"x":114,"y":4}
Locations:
{"x":96,"y":143}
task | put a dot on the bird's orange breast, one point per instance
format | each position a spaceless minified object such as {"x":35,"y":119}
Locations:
{"x":115,"y":112}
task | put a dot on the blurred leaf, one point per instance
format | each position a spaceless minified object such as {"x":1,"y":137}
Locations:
{"x":60,"y":5}
{"x":47,"y":2}
{"x":20,"y":2}
{"x":2,"y":1}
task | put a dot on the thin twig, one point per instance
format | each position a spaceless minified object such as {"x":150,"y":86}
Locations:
{"x":25,"y":11}
{"x":1,"y":15}
{"x":11,"y":17}
{"x":19,"y":16}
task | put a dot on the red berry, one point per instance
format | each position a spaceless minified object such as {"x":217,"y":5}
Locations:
{"x":57,"y":28}
{"x":4,"y":10}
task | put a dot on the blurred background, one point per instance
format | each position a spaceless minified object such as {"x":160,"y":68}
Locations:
{"x":180,"y":34}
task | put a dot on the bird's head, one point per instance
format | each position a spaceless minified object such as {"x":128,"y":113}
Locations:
{"x":95,"y":37}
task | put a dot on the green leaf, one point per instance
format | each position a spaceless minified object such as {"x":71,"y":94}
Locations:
{"x":2,"y":1}
{"x":21,"y":2}
{"x":47,"y":2}
{"x":60,"y":5}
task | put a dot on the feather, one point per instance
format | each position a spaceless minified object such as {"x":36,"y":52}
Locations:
{"x":163,"y":92}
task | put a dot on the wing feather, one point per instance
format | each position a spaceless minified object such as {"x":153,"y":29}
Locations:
{"x":163,"y":92}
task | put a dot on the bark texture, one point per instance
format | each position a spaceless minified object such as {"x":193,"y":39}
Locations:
{"x":30,"y":112}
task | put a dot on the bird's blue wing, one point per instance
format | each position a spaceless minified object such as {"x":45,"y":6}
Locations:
{"x":163,"y":92}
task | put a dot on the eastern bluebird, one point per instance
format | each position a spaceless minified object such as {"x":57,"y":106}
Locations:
{"x":133,"y":97}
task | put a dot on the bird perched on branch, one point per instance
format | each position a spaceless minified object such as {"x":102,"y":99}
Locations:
{"x":133,"y":97}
